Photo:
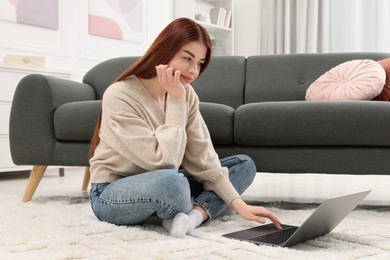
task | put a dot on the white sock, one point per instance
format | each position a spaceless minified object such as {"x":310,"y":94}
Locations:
{"x":182,"y":224}
{"x":196,"y":218}
{"x":179,"y":226}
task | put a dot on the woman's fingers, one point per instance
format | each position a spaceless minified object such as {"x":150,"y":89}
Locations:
{"x":254,"y":213}
{"x":177,"y":75}
{"x":165,"y":73}
{"x":262,"y":213}
{"x":170,"y":81}
{"x":271,"y":216}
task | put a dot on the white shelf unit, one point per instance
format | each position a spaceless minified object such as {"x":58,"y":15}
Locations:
{"x":10,"y":77}
{"x":222,"y":37}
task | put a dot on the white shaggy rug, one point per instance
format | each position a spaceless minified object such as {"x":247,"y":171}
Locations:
{"x":65,"y":228}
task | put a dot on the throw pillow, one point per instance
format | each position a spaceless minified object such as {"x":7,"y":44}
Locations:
{"x":351,"y":80}
{"x":385,"y":94}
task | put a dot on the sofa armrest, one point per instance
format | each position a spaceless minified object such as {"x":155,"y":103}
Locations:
{"x":219,"y":119}
{"x":31,"y":130}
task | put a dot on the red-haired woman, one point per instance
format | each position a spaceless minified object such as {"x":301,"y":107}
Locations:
{"x":151,"y":152}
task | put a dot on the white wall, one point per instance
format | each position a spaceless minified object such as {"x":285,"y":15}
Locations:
{"x":71,"y":48}
{"x":246,"y":27}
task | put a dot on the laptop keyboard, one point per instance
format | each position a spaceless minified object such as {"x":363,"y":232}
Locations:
{"x":276,"y":238}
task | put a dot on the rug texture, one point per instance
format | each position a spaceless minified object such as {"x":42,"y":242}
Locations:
{"x":65,"y":228}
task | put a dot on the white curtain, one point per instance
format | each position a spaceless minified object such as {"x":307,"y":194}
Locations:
{"x":312,"y":26}
{"x":360,"y":25}
{"x":294,"y":26}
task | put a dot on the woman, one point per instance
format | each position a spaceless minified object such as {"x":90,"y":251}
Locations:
{"x":151,"y":151}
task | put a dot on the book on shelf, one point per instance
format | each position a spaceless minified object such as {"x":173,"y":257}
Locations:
{"x":228,"y":18}
{"x":220,"y":16}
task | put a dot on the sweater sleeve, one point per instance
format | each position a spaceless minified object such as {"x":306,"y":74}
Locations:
{"x":133,"y":131}
{"x":200,"y":158}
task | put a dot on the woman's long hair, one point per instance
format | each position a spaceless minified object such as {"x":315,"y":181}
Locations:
{"x":178,"y":33}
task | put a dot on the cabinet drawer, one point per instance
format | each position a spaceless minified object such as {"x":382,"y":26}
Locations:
{"x":9,"y":81}
{"x":5,"y":158}
{"x":5,"y":109}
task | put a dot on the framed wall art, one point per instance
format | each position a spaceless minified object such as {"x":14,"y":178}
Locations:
{"x":41,"y":13}
{"x":116,"y":19}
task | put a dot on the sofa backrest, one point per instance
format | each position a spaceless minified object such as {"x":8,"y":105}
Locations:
{"x":235,"y":80}
{"x":102,"y":75}
{"x":223,"y":81}
{"x":286,"y":77}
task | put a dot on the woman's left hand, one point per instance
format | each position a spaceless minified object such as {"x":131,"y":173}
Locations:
{"x":254,"y":213}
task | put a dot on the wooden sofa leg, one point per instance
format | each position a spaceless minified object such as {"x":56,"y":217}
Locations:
{"x":87,"y":175}
{"x":33,"y":182}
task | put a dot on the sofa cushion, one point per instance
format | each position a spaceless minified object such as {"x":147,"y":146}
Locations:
{"x":219,"y":120}
{"x":350,"y":80}
{"x":76,"y":121}
{"x":317,"y":123}
{"x":385,"y":94}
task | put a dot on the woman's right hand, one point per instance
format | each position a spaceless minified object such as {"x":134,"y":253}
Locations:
{"x":170,"y":81}
{"x":255,"y":213}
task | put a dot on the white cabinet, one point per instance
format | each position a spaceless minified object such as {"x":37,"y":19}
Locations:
{"x":9,"y":78}
{"x":206,"y":13}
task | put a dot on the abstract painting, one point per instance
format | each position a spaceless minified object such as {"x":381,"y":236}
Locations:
{"x":116,"y":19}
{"x":41,"y":13}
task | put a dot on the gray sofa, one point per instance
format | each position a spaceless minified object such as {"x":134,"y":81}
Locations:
{"x":253,"y":105}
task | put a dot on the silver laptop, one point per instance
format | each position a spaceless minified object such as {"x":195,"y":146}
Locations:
{"x":322,"y":221}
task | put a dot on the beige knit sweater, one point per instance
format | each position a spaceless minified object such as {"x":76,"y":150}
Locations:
{"x":136,"y":136}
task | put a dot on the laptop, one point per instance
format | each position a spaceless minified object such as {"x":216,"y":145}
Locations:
{"x":322,"y":221}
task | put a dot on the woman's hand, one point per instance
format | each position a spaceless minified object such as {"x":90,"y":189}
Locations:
{"x":170,"y":81}
{"x":254,"y":213}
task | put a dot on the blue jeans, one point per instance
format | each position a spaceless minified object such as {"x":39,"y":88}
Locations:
{"x":132,"y":200}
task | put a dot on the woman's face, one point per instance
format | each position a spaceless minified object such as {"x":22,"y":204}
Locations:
{"x":189,"y":60}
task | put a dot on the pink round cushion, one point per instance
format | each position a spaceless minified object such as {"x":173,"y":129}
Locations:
{"x":351,"y":80}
